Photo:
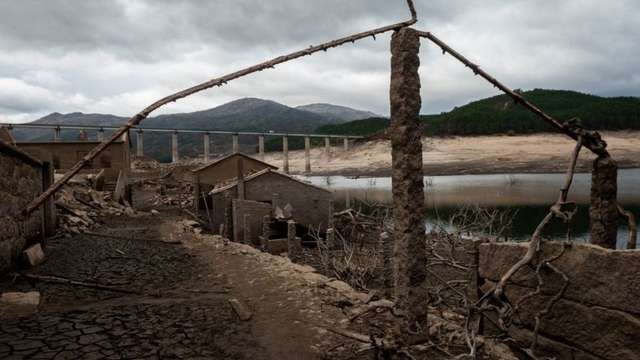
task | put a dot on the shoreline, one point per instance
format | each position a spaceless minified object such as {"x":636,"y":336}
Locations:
{"x":473,"y":155}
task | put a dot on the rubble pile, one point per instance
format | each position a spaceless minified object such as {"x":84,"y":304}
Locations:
{"x":171,"y":194}
{"x":79,"y":208}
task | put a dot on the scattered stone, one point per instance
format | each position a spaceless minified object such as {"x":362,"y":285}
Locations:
{"x":31,"y":299}
{"x":241,"y":309}
{"x":34,"y":255}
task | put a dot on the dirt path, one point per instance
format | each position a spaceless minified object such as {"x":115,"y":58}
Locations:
{"x":538,"y":153}
{"x":181,"y":309}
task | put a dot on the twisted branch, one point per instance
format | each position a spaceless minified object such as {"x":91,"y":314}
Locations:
{"x":136,"y":119}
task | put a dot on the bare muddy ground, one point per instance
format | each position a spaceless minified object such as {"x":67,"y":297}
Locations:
{"x":182,"y":282}
{"x":538,"y":153}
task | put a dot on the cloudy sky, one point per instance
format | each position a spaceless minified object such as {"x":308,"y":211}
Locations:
{"x":117,"y":56}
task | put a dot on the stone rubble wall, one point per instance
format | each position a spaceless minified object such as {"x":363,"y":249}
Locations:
{"x":20,"y":182}
{"x":598,"y":317}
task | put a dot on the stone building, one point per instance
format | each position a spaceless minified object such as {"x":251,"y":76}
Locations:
{"x":64,"y":155}
{"x":221,"y":172}
{"x":22,"y":178}
{"x":242,"y":205}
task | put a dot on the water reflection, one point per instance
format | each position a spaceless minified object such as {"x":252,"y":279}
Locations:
{"x":529,"y":194}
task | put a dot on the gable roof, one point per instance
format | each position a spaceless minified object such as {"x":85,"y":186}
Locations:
{"x":217,"y":161}
{"x":261,"y":173}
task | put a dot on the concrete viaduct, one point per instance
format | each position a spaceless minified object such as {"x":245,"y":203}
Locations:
{"x":206,"y":140}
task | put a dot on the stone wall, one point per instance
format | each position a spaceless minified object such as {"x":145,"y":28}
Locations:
{"x":598,"y":317}
{"x":20,"y":182}
{"x":64,"y":155}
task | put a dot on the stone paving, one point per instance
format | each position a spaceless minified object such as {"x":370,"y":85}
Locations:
{"x":174,"y":316}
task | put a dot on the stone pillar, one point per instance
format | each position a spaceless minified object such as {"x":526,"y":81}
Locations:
{"x":139,"y":144}
{"x":294,"y":244}
{"x":101,"y":135}
{"x":49,"y":207}
{"x":603,"y":213}
{"x":285,"y":154}
{"x":410,"y":253}
{"x":235,"y":147}
{"x":261,"y":147}
{"x":206,"y":144}
{"x":346,"y":144}
{"x":174,"y":147}
{"x":56,"y":134}
{"x":327,"y":148}
{"x":307,"y":155}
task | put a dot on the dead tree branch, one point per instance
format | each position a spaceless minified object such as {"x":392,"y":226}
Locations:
{"x":136,"y":119}
{"x":633,"y":228}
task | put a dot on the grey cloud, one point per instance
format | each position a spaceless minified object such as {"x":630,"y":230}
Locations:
{"x":111,"y":55}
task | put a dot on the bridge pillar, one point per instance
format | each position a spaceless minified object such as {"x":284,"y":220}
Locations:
{"x":261,"y":147}
{"x":346,"y":144}
{"x":307,"y":155}
{"x":139,"y":144}
{"x":101,"y":135}
{"x":56,"y":134}
{"x":206,"y":144}
{"x":174,"y":147}
{"x":327,"y":148}
{"x":235,"y":147}
{"x":285,"y":154}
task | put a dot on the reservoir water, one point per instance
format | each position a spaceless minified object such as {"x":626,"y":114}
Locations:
{"x":527,"y":195}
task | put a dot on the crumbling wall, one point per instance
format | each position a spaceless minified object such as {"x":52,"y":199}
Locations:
{"x":64,"y":155}
{"x":597,"y":316}
{"x":20,"y":182}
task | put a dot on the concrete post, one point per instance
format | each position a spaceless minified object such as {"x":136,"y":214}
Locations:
{"x":285,"y":154}
{"x":261,"y":147}
{"x":294,"y":244}
{"x":207,"y":143}
{"x":346,"y":144}
{"x":327,"y":148}
{"x":603,"y":213}
{"x":410,"y":253}
{"x":196,"y":193}
{"x":174,"y":147}
{"x":101,"y":135}
{"x":235,"y":147}
{"x":56,"y":134}
{"x":307,"y":155}
{"x":140,"y":144}
{"x":49,"y":207}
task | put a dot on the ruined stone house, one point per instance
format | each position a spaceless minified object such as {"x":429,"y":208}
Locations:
{"x":222,"y":172}
{"x":242,"y":205}
{"x":22,"y":178}
{"x":63,"y":155}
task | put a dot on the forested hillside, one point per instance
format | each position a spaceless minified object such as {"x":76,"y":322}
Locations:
{"x":500,"y":115}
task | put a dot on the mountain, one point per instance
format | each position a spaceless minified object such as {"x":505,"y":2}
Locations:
{"x":248,"y":114}
{"x":336,"y":112}
{"x":500,"y":115}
